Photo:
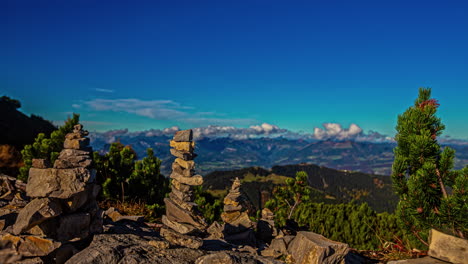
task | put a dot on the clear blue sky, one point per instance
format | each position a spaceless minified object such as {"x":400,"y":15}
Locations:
{"x":294,"y":64}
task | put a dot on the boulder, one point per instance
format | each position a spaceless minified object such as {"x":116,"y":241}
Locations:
{"x":447,"y":247}
{"x":80,"y":199}
{"x":246,"y":237}
{"x":131,"y":248}
{"x":73,"y":227}
{"x":181,"y":240}
{"x":31,"y":246}
{"x":36,"y":212}
{"x":183,"y":135}
{"x":312,"y":248}
{"x":58,"y":183}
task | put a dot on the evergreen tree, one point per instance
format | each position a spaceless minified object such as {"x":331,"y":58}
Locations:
{"x":210,"y":207}
{"x":146,"y":182}
{"x":114,"y":169}
{"x":286,"y":198}
{"x":422,"y":173}
{"x":46,"y":148}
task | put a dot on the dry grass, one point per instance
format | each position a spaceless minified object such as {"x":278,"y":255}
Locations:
{"x":130,"y":208}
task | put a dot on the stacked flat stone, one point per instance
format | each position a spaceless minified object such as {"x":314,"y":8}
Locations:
{"x":182,"y":217}
{"x":238,"y":228}
{"x":266,"y":230}
{"x":63,"y":205}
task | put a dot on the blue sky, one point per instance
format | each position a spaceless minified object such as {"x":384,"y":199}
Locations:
{"x":294,"y":64}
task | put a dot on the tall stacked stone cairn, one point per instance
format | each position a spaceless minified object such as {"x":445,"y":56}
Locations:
{"x":238,"y":228}
{"x":183,"y":221}
{"x":63,"y":207}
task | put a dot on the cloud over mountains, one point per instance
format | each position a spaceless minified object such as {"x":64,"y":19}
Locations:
{"x":331,"y":131}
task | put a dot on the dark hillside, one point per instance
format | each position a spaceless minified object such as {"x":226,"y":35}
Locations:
{"x":16,"y":128}
{"x":329,"y":185}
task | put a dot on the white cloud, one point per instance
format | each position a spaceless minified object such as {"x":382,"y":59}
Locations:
{"x":163,"y":110}
{"x":155,"y":109}
{"x":104,"y":90}
{"x":334,"y":131}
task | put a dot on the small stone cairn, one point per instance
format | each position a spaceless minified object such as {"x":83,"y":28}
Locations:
{"x":63,"y":205}
{"x":238,"y":228}
{"x":182,"y":219}
{"x":266,"y":229}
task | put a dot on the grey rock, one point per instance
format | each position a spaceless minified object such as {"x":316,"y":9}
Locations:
{"x":176,"y":238}
{"x":36,"y":212}
{"x":80,"y":199}
{"x":40,"y":163}
{"x":180,"y":227}
{"x":180,"y":186}
{"x":73,"y":227}
{"x":79,"y":143}
{"x":424,"y":260}
{"x":177,"y":214}
{"x":182,"y":171}
{"x":183,"y":135}
{"x":311,"y":248}
{"x":192,"y":181}
{"x":72,"y":158}
{"x":183,"y":196}
{"x":58,"y":183}
{"x":131,"y":248}
{"x":448,"y":248}
{"x":183,"y":155}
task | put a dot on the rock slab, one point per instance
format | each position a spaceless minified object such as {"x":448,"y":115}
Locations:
{"x":312,"y":248}
{"x":448,"y":248}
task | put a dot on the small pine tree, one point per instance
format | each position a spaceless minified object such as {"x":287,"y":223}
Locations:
{"x":46,"y":148}
{"x":146,"y":182}
{"x":210,"y":207}
{"x":421,"y":173}
{"x":287,"y":198}
{"x":114,"y":169}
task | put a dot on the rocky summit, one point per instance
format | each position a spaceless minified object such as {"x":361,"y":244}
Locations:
{"x":54,"y":218}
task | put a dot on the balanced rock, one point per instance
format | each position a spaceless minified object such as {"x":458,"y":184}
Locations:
{"x":182,"y":217}
{"x":63,"y":208}
{"x":237,"y":223}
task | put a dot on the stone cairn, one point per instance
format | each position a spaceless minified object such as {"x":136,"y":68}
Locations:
{"x":63,"y":205}
{"x":182,"y":217}
{"x":266,"y":229}
{"x":238,"y":229}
